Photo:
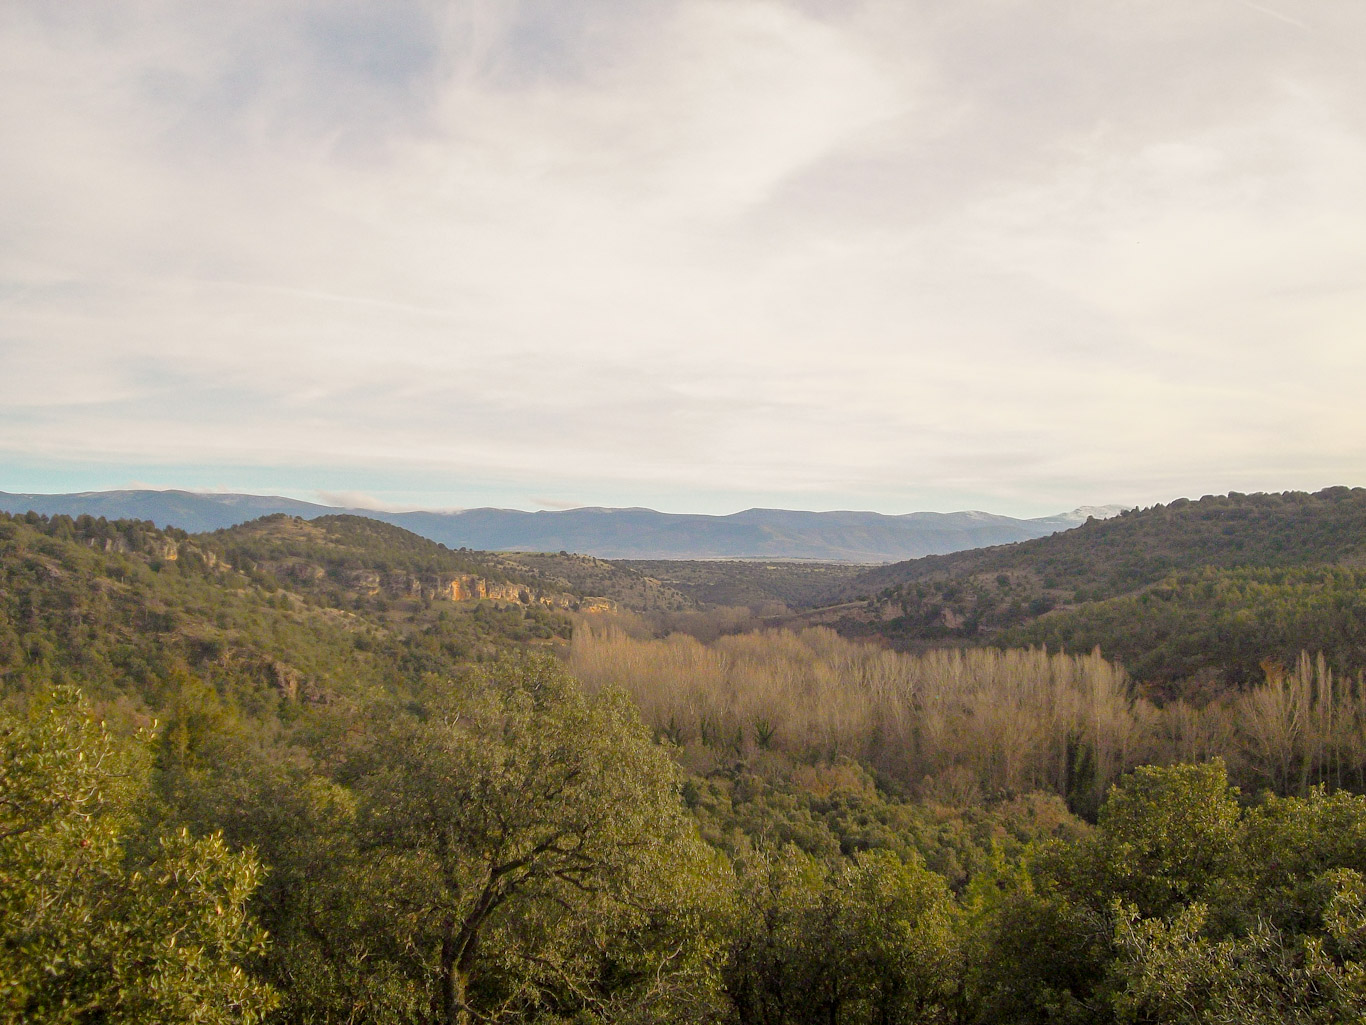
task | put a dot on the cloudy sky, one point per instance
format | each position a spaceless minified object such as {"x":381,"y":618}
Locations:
{"x":697,"y":255}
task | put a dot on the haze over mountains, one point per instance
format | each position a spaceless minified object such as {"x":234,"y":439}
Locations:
{"x":607,"y":533}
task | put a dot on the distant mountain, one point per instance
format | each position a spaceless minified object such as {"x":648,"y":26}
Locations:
{"x":188,"y":510}
{"x":755,"y":533}
{"x":862,"y":537}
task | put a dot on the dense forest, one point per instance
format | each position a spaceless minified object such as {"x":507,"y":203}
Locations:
{"x":1190,"y":590}
{"x":330,"y":771}
{"x":759,"y":586}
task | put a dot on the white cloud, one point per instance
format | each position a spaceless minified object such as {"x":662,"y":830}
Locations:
{"x":757,"y":249}
{"x":359,"y":500}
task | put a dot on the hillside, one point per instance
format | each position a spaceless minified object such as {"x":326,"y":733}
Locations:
{"x":276,"y":610}
{"x":746,"y":582}
{"x":1084,"y":587}
{"x":185,"y":510}
{"x":627,"y":585}
{"x":1215,"y":627}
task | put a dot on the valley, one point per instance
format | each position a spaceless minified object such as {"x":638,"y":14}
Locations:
{"x":370,"y":731}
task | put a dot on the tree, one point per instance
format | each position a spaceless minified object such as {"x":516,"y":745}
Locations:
{"x":87,"y":935}
{"x":872,"y":940}
{"x":1213,"y":913}
{"x":1175,"y":971}
{"x":1165,"y":837}
{"x":903,"y":938}
{"x":536,"y":856}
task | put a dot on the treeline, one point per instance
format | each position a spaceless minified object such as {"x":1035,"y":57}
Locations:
{"x":503,"y":848}
{"x":1200,"y":627}
{"x":344,"y":542}
{"x":1181,"y":907}
{"x":1108,"y":557}
{"x":494,"y":848}
{"x":967,"y":726}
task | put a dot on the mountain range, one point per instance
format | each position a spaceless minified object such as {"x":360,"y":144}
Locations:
{"x":860,"y":537}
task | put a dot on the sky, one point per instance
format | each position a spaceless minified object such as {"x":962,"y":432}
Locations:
{"x":695,"y":255}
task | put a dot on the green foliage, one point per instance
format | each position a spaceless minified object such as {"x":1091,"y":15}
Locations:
{"x":513,"y":850}
{"x":1184,"y":907}
{"x":874,"y":939}
{"x":1036,"y":956}
{"x":1166,"y":837}
{"x":835,"y":812}
{"x":342,"y":544}
{"x":90,"y":934}
{"x":278,"y":611}
{"x":960,"y":598}
{"x":1218,"y":623}
{"x":440,"y":833}
{"x":1174,"y":971}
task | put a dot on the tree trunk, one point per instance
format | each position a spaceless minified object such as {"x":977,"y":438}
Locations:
{"x":446,"y":1000}
{"x":451,"y":1008}
{"x":458,"y":943}
{"x":459,"y":1013}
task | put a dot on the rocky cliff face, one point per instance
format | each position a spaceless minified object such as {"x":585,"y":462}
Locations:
{"x":466,"y":587}
{"x":594,"y":605}
{"x":411,"y":585}
{"x":164,"y":548}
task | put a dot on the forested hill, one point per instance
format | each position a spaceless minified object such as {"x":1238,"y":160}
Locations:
{"x":1111,"y":556}
{"x":356,"y":553}
{"x":1172,"y":590}
{"x":277,"y":609}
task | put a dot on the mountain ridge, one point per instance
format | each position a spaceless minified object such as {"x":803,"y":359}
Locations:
{"x":832,"y":536}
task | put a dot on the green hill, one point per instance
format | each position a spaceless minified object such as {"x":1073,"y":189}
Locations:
{"x":336,"y":796}
{"x":1083,"y":587}
{"x":1217,"y":625}
{"x":275,"y":611}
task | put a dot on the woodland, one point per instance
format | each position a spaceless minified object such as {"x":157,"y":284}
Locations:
{"x":329,"y":771}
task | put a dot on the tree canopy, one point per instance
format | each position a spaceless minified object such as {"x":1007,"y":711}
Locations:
{"x":91,"y":929}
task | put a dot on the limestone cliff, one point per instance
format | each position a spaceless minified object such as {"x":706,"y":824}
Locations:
{"x":460,"y":588}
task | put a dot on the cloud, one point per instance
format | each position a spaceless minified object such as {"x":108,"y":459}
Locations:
{"x":759,"y":249}
{"x":358,"y":500}
{"x":1270,"y":12}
